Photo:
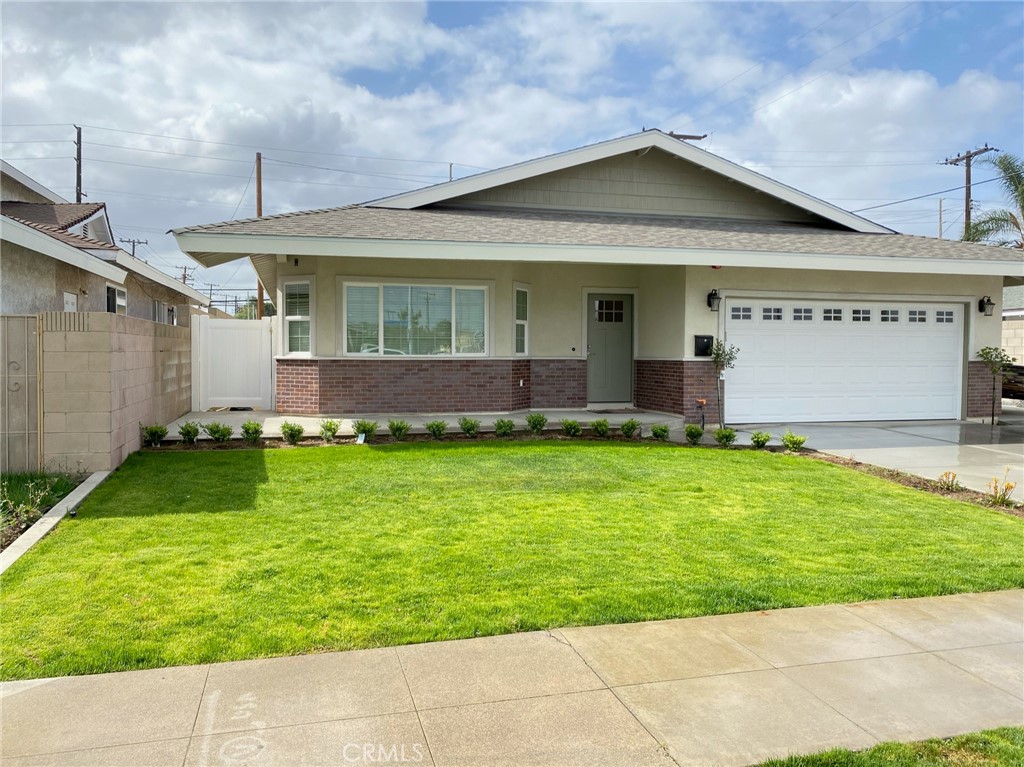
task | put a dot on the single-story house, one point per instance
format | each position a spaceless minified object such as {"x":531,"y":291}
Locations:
{"x":598,"y":277}
{"x":58,"y":256}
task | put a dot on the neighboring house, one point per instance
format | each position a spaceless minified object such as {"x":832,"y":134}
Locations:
{"x":1013,"y":321}
{"x":599,"y":277}
{"x":61,"y":256}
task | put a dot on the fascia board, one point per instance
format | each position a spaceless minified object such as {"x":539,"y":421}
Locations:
{"x":214,"y":246}
{"x":155,"y":275}
{"x":19,"y":234}
{"x":635,"y":142}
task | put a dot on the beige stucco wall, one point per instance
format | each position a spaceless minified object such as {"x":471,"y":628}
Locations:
{"x":104,"y":375}
{"x":1013,"y":339}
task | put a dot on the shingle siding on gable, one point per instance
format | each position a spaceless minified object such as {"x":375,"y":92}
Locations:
{"x":654,"y":183}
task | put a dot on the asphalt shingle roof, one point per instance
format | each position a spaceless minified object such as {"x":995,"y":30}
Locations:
{"x":598,"y":229}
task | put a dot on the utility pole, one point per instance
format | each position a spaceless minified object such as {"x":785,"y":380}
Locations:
{"x":259,"y":214}
{"x":966,"y":158}
{"x":133,"y":243}
{"x":78,"y":164}
{"x":940,"y":218}
{"x":186,"y":274}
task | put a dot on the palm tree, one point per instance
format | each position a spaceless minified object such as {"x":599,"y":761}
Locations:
{"x":996,"y":225}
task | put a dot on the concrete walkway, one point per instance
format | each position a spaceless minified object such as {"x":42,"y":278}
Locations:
{"x":726,"y":690}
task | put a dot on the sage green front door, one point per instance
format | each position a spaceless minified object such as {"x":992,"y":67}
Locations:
{"x":609,"y":347}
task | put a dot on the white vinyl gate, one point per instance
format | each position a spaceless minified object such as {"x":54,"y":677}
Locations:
{"x":818,"y":360}
{"x":232,"y":363}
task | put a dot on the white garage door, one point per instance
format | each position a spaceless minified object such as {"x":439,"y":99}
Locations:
{"x":843,"y":360}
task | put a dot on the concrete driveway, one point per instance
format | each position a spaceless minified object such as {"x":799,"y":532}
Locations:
{"x":976,"y":452}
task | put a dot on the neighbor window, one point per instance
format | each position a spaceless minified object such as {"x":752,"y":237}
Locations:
{"x":117,"y":300}
{"x":395,"y":320}
{"x":298,"y":325}
{"x":522,"y":328}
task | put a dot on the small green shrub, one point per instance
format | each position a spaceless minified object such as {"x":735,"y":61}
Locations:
{"x":153,"y":435}
{"x":217,"y":431}
{"x":630,"y":428}
{"x":725,"y":436}
{"x":329,"y":430}
{"x":470,"y":426}
{"x":571,"y":428}
{"x":436,"y":429}
{"x":292,"y":432}
{"x":760,"y":438}
{"x":189,"y":433}
{"x":369,"y":428}
{"x":536,"y":422}
{"x":793,"y":442}
{"x":252,"y":432}
{"x":660,"y":432}
{"x":600,"y":427}
{"x":694,"y":433}
{"x":399,"y":430}
{"x":504,"y":427}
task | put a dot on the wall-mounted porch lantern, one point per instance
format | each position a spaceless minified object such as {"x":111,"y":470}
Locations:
{"x":715,"y":300}
{"x":985,"y":305}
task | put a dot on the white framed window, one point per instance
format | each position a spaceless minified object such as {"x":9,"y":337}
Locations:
{"x":802,"y":314}
{"x":771,"y":313}
{"x":298,"y":316}
{"x":521,"y":312}
{"x":944,"y":317}
{"x":740,"y":313}
{"x":159,"y":311}
{"x":117,"y":300}
{"x":890,"y":315}
{"x":396,"y":319}
{"x":832,"y":315}
{"x":917,"y":315}
{"x":861,"y":315}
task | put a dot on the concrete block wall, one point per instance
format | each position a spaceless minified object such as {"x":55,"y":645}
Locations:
{"x":1013,"y":339}
{"x":104,"y":376}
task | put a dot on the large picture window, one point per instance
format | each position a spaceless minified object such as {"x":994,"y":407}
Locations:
{"x":415,"y":320}
{"x":298,"y":324}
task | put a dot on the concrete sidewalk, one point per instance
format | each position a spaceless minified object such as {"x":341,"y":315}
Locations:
{"x":725,"y":690}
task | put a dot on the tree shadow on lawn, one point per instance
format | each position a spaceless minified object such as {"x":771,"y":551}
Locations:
{"x":158,"y":483}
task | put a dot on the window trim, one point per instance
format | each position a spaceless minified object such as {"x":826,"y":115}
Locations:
{"x":453,"y":285}
{"x":516,"y":322}
{"x":310,"y":281}
{"x":119,"y":290}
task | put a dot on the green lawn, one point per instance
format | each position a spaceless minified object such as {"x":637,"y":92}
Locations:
{"x":992,"y":748}
{"x":193,"y":557}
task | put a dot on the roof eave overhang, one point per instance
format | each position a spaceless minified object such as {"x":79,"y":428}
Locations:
{"x":141,"y":268}
{"x":25,"y":236}
{"x":636,"y":142}
{"x":213,"y":250}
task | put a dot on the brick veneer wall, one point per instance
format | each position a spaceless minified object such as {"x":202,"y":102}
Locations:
{"x":406,"y":386}
{"x":979,"y":391}
{"x":559,"y":383}
{"x":674,"y":386}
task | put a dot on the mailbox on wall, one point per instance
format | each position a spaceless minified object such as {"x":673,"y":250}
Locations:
{"x":702,"y":345}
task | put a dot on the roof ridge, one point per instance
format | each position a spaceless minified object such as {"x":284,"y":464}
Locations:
{"x":289,"y":214}
{"x":53,"y":230}
{"x":90,"y":209}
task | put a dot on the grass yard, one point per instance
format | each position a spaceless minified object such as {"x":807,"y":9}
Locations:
{"x":194,"y":557}
{"x":992,"y":748}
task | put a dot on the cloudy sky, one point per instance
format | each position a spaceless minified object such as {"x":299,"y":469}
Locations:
{"x":855,"y":102}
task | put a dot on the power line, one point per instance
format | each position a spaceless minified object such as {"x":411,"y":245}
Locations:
{"x":403,"y":177}
{"x":922,"y":196}
{"x":244,"y":191}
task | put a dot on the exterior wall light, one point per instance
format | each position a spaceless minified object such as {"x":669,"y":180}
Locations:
{"x":985,"y":305}
{"x":715,"y":300}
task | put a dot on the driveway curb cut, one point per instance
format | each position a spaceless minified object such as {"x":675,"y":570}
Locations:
{"x":49,"y":520}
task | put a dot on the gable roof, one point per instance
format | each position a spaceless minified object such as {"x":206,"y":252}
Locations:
{"x":636,"y":142}
{"x":55,"y":219}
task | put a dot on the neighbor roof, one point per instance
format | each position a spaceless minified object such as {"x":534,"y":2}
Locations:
{"x":525,"y":227}
{"x":55,"y":219}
